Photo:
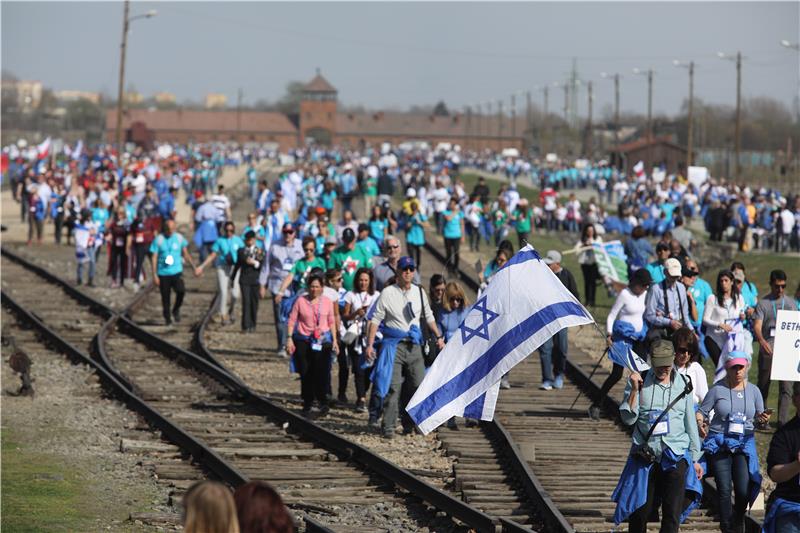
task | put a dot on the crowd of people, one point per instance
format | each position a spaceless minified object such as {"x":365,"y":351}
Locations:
{"x":342,"y":289}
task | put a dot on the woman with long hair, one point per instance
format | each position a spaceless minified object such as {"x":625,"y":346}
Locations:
{"x":356,"y":304}
{"x":723,"y":309}
{"x":588,"y":262}
{"x":208,"y":507}
{"x":522,"y":218}
{"x":261,"y":509}
{"x":455,"y":308}
{"x":118,"y":232}
{"x":687,"y":362}
{"x":312,"y":336}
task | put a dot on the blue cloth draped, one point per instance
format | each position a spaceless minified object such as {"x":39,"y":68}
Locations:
{"x":382,"y":372}
{"x":717,"y":442}
{"x":206,"y":232}
{"x":631,"y":491}
{"x":777,"y":509}
{"x":622,"y":338}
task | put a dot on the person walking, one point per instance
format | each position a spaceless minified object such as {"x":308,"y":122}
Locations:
{"x":224,"y":255}
{"x":453,"y":233}
{"x":249,"y":259}
{"x":282,"y":257}
{"x":666,"y":304}
{"x":764,"y":327}
{"x":400,"y":307}
{"x":118,"y":236}
{"x":168,"y":252}
{"x":521,"y":218}
{"x":723,"y":309}
{"x":389,"y":269}
{"x":730,"y":443}
{"x":312,"y":336}
{"x":626,"y":331}
{"x":553,"y":352}
{"x":588,"y":262}
{"x":666,"y":444}
{"x":454,"y":311}
{"x":356,"y":304}
{"x":415,"y":232}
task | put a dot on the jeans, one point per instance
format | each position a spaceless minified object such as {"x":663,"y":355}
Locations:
{"x":407,"y":373}
{"x":670,"y":486}
{"x":280,"y":327}
{"x":140,"y":251}
{"x":731,"y":469}
{"x":553,"y":354}
{"x":226,"y":292}
{"x":119,"y":264}
{"x":451,"y":249}
{"x":474,"y":235}
{"x":91,"y":254}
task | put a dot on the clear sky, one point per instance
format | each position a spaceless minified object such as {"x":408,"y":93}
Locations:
{"x":397,"y":54}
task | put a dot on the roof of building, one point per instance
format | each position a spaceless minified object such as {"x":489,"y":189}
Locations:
{"x":206,"y":120}
{"x":423,"y":125}
{"x":643,"y":143}
{"x":319,"y":85}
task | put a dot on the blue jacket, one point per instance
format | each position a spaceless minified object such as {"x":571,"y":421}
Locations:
{"x":777,"y":509}
{"x":716,"y":442}
{"x":382,"y":372}
{"x":631,"y":491}
{"x":623,"y":336}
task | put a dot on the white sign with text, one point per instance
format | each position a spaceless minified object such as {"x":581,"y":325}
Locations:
{"x":786,"y":353}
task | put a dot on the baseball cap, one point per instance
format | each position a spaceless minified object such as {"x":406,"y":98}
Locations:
{"x":348,"y":235}
{"x":662,"y":354}
{"x":411,"y":193}
{"x":552,"y":257}
{"x":672,"y":266}
{"x":406,"y":262}
{"x":738,"y":275}
{"x":736,"y":358}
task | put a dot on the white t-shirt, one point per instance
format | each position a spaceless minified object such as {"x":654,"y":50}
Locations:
{"x":787,"y":221}
{"x":699,"y":380}
{"x":628,"y":308}
{"x":440,"y":199}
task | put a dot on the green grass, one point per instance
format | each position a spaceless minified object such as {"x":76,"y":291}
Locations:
{"x":40,"y":494}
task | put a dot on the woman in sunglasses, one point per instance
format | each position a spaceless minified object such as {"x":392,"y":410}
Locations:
{"x":687,"y":355}
{"x":729,"y":440}
{"x":301,"y":269}
{"x":455,"y":309}
{"x":723,"y":309}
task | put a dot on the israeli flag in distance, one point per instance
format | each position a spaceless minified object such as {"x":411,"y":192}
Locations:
{"x":523,"y":306}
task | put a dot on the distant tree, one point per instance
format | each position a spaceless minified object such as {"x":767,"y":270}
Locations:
{"x":289,"y":104}
{"x":440,"y":109}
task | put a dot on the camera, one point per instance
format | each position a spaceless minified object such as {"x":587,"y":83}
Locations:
{"x":645,"y":453}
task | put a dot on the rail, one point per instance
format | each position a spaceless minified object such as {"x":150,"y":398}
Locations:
{"x":329,"y":440}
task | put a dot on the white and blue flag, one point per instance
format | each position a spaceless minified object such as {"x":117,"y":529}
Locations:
{"x":524,"y":305}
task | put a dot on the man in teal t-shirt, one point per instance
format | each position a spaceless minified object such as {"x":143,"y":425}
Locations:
{"x":168,"y":251}
{"x":349,"y":258}
{"x":453,"y":233}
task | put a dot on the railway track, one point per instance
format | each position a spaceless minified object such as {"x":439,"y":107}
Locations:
{"x":574,"y":460}
{"x":230,"y":430}
{"x":485,"y":471}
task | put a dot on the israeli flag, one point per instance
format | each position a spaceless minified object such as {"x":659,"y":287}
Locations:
{"x":524,"y":305}
{"x":622,"y":354}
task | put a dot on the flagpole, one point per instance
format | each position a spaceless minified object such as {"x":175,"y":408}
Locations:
{"x":596,"y":366}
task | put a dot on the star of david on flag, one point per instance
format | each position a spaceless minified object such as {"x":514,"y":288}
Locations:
{"x":511,"y":319}
{"x":482,"y":329}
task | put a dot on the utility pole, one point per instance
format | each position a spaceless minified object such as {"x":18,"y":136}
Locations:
{"x":500,"y":122}
{"x":466,"y":125}
{"x":513,"y":115}
{"x":489,"y":121}
{"x":738,"y":133}
{"x":120,"y":96}
{"x":566,"y":103}
{"x":690,"y":114}
{"x":649,"y":104}
{"x":616,"y":108}
{"x":528,"y":117}
{"x":589,"y":139}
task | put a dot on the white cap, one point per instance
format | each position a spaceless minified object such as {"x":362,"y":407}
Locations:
{"x":411,"y":192}
{"x":672,"y":266}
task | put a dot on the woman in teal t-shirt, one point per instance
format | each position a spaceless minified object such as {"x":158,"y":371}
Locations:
{"x":522,"y":221}
{"x":453,"y":234}
{"x":415,"y":232}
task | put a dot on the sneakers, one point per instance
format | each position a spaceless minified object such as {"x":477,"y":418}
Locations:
{"x":373,"y":425}
{"x":176,"y":315}
{"x":306,"y":410}
{"x":452,"y":424}
{"x":282,"y":353}
{"x":546,"y":385}
{"x":594,"y":412}
{"x":559,"y":381}
{"x":342,"y":399}
{"x":388,"y":435}
{"x":324,"y":410}
{"x":504,"y":384}
{"x":361,"y":406}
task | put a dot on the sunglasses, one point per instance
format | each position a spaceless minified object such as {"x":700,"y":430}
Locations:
{"x":681,"y":350}
{"x":308,"y":249}
{"x":287,"y":231}
{"x":409,"y":269}
{"x":456,"y":300}
{"x":394,"y":246}
{"x":781,"y":286}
